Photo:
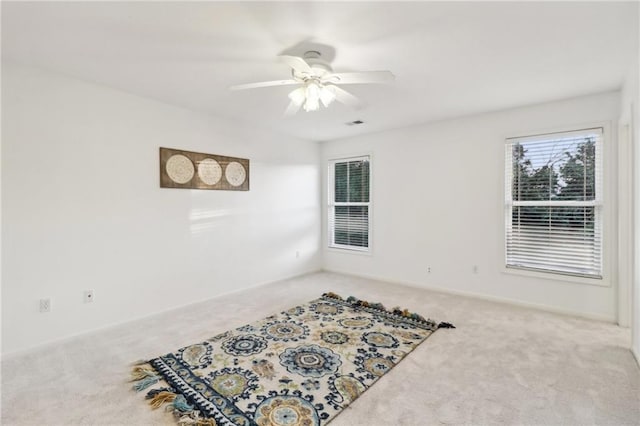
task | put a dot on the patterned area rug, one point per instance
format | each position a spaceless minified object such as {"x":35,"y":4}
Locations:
{"x":299,"y":367}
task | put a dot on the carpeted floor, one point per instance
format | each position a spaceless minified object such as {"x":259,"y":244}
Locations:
{"x":501,"y":365}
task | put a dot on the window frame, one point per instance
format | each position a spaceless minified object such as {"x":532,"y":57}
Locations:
{"x":603,"y":200}
{"x":331,"y":204}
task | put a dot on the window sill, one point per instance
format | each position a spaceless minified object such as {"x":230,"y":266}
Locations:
{"x":603,"y":282}
{"x":345,"y":250}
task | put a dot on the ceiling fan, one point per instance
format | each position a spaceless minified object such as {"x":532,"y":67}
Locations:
{"x":318,"y":84}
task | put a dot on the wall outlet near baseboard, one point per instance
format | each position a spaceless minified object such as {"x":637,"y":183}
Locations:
{"x":88,"y":296}
{"x":45,"y":305}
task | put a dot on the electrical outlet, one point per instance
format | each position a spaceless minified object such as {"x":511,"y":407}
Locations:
{"x":88,"y":296}
{"x":428,"y":269}
{"x":45,"y":305}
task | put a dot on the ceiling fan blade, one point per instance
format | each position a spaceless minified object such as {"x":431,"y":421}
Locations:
{"x":297,"y":63}
{"x":359,"y":77}
{"x":345,"y":97}
{"x":292,"y":109}
{"x":264,"y":84}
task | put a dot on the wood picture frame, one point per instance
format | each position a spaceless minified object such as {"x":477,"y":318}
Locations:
{"x":197,"y":170}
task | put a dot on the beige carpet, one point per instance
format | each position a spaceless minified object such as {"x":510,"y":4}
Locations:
{"x":502,"y":365}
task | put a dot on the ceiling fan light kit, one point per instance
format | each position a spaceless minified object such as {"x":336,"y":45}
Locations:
{"x":311,"y":94}
{"x":318,"y":83}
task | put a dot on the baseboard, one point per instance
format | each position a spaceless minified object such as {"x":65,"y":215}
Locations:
{"x":490,"y":298}
{"x":71,"y":337}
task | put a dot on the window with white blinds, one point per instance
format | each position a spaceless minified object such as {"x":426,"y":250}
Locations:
{"x":349,"y":203}
{"x":553,"y":203}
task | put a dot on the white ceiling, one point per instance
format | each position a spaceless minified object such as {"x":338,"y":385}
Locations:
{"x":450,"y":59}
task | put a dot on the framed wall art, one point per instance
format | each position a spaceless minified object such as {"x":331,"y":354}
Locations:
{"x":196,"y":170}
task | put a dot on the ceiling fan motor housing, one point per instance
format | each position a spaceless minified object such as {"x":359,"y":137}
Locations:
{"x":317,"y":64}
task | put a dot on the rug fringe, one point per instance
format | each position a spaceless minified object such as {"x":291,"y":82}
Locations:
{"x":176,"y":403}
{"x":157,"y":399}
{"x":405,"y":313}
{"x":139,"y":372}
{"x":145,"y":383}
{"x":180,"y":404}
{"x":332,"y":295}
{"x":446,"y":325}
{"x":206,"y":422}
{"x":191,"y":420}
{"x":379,"y":306}
{"x":143,"y":376}
{"x":364,"y":303}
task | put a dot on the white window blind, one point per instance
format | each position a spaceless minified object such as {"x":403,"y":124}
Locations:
{"x":553,"y":203}
{"x":349,"y":203}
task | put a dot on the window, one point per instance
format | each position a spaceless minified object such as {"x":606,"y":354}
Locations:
{"x":553,"y":203}
{"x":349,"y":203}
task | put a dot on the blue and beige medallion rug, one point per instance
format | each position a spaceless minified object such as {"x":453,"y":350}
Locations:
{"x":300,"y":367}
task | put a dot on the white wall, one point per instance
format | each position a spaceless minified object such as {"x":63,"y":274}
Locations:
{"x":630,"y":124}
{"x":82,"y":208}
{"x":630,"y":108}
{"x":438,"y":192}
